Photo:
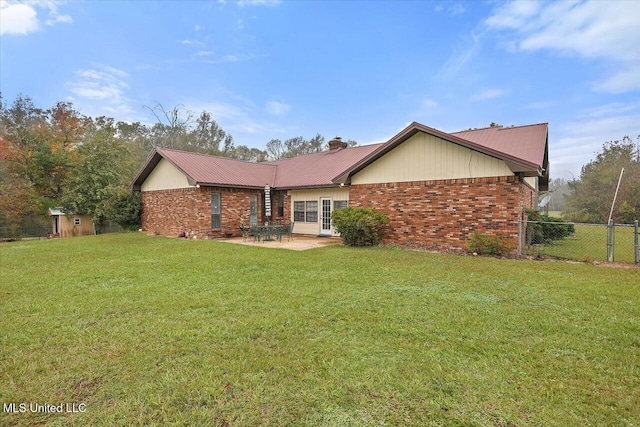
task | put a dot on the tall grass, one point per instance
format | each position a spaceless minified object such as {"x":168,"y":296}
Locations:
{"x":156,"y":331}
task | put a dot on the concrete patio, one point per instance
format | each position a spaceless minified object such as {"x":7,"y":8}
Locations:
{"x":297,"y":243}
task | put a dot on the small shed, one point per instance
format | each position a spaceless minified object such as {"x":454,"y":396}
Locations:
{"x":69,"y":224}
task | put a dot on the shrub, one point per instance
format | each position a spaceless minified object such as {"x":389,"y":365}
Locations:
{"x":485,"y":244}
{"x":125,"y":208}
{"x":360,"y":226}
{"x":546,"y":229}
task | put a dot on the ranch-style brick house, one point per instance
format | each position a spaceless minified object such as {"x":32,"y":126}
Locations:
{"x":436,"y":187}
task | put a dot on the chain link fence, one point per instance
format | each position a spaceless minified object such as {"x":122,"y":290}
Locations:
{"x":581,"y":242}
{"x":107,"y":227}
{"x":41,"y":228}
{"x":31,"y":227}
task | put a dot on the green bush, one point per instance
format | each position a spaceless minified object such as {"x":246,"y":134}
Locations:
{"x":360,"y":226}
{"x":125,"y":208}
{"x":485,"y":244}
{"x":546,"y":229}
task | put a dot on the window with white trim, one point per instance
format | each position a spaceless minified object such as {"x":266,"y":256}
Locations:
{"x":216,"y":216}
{"x":76,"y":221}
{"x":305,"y":211}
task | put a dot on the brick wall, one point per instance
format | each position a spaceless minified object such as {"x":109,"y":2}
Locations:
{"x":274,"y":206}
{"x":442,"y":214}
{"x":170,"y":212}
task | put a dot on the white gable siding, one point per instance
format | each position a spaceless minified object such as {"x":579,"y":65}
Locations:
{"x":425,"y":157}
{"x":532,"y":181}
{"x":165,"y":176}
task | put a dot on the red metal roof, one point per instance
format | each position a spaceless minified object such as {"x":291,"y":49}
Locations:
{"x":211,"y":170}
{"x":523,"y":148}
{"x":527,"y":143}
{"x":318,"y":169}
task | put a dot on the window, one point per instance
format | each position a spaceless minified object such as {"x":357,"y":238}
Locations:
{"x":76,"y":221}
{"x":215,"y":210}
{"x":253,"y":210}
{"x":312,"y":212}
{"x":305,"y":211}
{"x":340,"y":204}
{"x":298,"y":211}
{"x":281,"y":205}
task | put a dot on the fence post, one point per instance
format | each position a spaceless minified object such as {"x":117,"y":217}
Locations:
{"x":635,"y":241}
{"x":610,"y":240}
{"x":520,"y":236}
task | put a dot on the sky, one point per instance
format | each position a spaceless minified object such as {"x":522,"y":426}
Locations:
{"x":362,"y":70}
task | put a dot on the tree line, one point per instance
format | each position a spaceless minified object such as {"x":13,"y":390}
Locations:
{"x":58,"y":157}
{"x":590,"y":197}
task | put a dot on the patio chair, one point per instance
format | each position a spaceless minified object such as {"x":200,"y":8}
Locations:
{"x":256,"y":232}
{"x":279,"y":231}
{"x":290,"y":231}
{"x":245,"y":232}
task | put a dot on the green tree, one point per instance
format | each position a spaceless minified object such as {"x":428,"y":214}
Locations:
{"x":125,"y":208}
{"x":177,"y":128}
{"x":39,"y":147}
{"x":592,"y":194}
{"x":104,"y":169}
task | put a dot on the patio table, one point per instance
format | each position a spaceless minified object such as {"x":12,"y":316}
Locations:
{"x":269,"y":232}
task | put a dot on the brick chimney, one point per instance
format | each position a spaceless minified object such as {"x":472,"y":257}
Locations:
{"x":337,"y":143}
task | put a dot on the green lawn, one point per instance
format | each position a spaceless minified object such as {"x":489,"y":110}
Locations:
{"x":156,"y":331}
{"x":589,"y":243}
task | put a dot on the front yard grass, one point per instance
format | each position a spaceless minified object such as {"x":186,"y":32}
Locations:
{"x":156,"y":331}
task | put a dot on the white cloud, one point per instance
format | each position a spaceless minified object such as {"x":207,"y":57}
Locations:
{"x":539,"y":105}
{"x":453,"y":9}
{"x":489,"y":94}
{"x":429,"y":103}
{"x":596,"y":30}
{"x":103,"y":90}
{"x":574,"y":143}
{"x":54,"y":16}
{"x":243,"y":3}
{"x":64,"y":19}
{"x":239,"y":116}
{"x":277,"y":108}
{"x":17,"y":18}
{"x":21,"y":17}
{"x":425,"y":109}
{"x":456,"y":9}
{"x":460,"y":57}
{"x":204,"y":53}
{"x":228,"y":58}
{"x":513,"y":15}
